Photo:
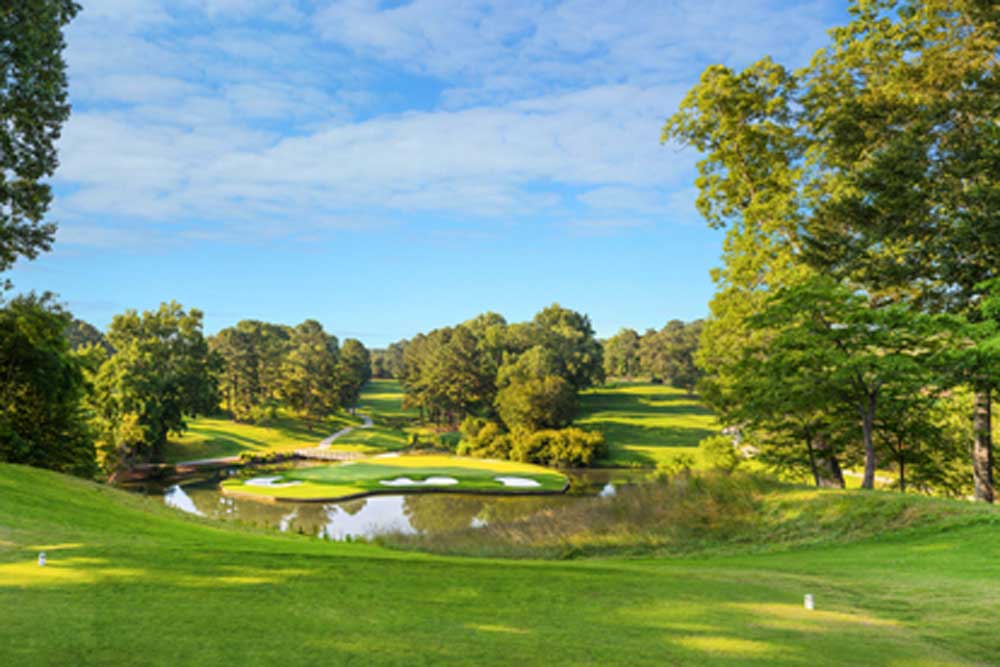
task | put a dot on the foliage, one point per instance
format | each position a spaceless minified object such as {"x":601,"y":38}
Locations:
{"x":529,"y":371}
{"x":309,"y":383}
{"x":250,"y":355}
{"x":718,"y":452}
{"x":158,"y":376}
{"x":41,"y":389}
{"x":565,"y":448}
{"x":669,"y":354}
{"x":873,"y":168}
{"x":33,"y":108}
{"x":621,"y":354}
{"x":353,"y":370}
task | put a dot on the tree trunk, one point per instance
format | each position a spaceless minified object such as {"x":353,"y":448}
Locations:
{"x":827,"y":467}
{"x":868,"y":431}
{"x":902,"y":468}
{"x":982,"y":447}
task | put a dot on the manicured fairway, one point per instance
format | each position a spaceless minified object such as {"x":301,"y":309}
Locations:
{"x":384,"y":397}
{"x":130,"y":582}
{"x":212,"y":437}
{"x":645,"y":424}
{"x":384,"y":474}
{"x":209,"y":437}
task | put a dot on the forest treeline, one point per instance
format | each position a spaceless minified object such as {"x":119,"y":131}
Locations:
{"x":855,"y":320}
{"x":76,"y":398}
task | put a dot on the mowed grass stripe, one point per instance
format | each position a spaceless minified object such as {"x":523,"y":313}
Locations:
{"x":645,"y":424}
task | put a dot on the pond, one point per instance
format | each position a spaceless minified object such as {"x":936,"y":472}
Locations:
{"x":427,"y":513}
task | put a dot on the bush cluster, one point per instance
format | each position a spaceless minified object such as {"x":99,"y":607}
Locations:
{"x":564,"y":448}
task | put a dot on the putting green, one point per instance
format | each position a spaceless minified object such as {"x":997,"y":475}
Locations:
{"x":395,"y":474}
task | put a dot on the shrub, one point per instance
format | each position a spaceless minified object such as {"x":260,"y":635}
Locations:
{"x":718,"y":452}
{"x":568,"y":447}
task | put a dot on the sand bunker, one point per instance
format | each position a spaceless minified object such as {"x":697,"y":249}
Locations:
{"x":430,"y":481}
{"x":518,"y":482}
{"x":269,"y":482}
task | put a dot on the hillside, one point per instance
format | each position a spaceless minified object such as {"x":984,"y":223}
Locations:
{"x":645,"y":424}
{"x":128,"y":578}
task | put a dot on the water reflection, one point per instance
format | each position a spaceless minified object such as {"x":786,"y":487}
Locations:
{"x":429,"y":513}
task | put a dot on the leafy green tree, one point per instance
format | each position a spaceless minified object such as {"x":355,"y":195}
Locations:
{"x":621,"y":354}
{"x":309,"y":372}
{"x":353,"y":370}
{"x":669,"y":354}
{"x":537,"y":403}
{"x":33,"y":108}
{"x":570,"y":336}
{"x":849,"y":350}
{"x":749,"y":184}
{"x":533,"y":396}
{"x":159,"y":375}
{"x":251,"y":355}
{"x":80,"y":334}
{"x":41,"y":389}
{"x":901,"y":110}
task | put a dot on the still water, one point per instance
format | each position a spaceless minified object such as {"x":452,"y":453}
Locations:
{"x":429,"y":513}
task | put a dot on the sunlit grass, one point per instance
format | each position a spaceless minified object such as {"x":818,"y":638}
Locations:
{"x":366,"y":476}
{"x":147,"y":585}
{"x":384,"y":397}
{"x":211,"y":437}
{"x":645,"y":424}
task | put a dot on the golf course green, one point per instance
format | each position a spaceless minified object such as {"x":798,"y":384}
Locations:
{"x":395,"y":474}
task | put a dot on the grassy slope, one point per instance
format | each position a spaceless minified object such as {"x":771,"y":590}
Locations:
{"x":131,"y":582}
{"x":209,"y":437}
{"x":645,"y":424}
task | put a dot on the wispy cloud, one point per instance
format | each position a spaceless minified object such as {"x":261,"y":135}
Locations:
{"x":289,"y":118}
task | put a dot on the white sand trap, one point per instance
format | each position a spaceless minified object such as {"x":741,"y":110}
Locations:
{"x":270,"y":482}
{"x":518,"y":482}
{"x":430,"y":481}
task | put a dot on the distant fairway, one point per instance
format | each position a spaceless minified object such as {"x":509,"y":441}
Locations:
{"x":384,"y":398}
{"x":216,"y":437}
{"x":212,"y":437}
{"x":645,"y":424}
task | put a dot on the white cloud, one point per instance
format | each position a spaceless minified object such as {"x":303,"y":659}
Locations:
{"x":291,"y":115}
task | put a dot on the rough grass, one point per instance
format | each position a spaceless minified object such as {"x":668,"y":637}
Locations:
{"x":366,"y":476}
{"x":705,"y":513}
{"x":645,"y":424}
{"x":131,"y":582}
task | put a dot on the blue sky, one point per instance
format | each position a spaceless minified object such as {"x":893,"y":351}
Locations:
{"x":391,"y":167}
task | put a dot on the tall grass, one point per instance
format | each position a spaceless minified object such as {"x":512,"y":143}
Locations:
{"x":707,"y":513}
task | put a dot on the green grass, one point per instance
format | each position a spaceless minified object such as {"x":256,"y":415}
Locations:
{"x":645,"y":424}
{"x":211,"y":437}
{"x":366,"y":476}
{"x":130,"y":582}
{"x":384,"y":398}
